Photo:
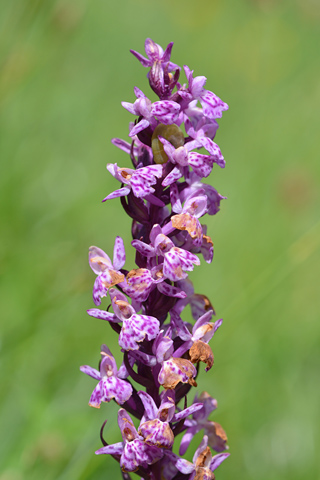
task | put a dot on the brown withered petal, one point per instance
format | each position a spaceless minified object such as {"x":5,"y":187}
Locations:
{"x":201,"y":352}
{"x":208,"y":239}
{"x":217,"y":437}
{"x":207,"y":305}
{"x":203,"y":457}
{"x":184,"y":221}
{"x":204,"y":474}
{"x":115,"y":279}
{"x":175,"y":370}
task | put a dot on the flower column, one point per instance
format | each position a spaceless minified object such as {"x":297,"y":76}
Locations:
{"x":165,"y":197}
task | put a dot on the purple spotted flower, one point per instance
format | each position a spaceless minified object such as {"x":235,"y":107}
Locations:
{"x":172,"y":148}
{"x":108,"y":273}
{"x":184,"y":156}
{"x":133,"y":451}
{"x":155,"y":54}
{"x":212,"y":105}
{"x":176,"y":261}
{"x":141,"y":281}
{"x":199,"y":304}
{"x":139,"y":181}
{"x":174,"y":369}
{"x":135,"y":328}
{"x":155,"y":423}
{"x":111,"y":384}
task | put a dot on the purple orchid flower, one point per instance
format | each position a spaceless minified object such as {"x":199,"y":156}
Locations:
{"x":111,"y":384}
{"x":203,"y":464}
{"x":139,"y":181}
{"x":196,"y":187}
{"x":155,"y":424}
{"x":173,"y":368}
{"x":155,"y":54}
{"x":133,"y":451}
{"x":199,"y":304}
{"x":140,"y":282}
{"x":176,"y":261}
{"x":186,"y":217}
{"x":212,"y":105}
{"x":165,"y":111}
{"x":135,"y":328}
{"x":107,"y":271}
{"x":217,"y":438}
{"x":197,"y":341}
{"x":182,"y":157}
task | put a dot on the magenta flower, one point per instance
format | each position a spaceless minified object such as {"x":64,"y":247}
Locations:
{"x":203,"y":464}
{"x":139,"y":181}
{"x":155,"y":423}
{"x":108,"y":273}
{"x":176,"y":261}
{"x":135,"y":328}
{"x":197,"y":341}
{"x":110,"y":383}
{"x":155,"y":54}
{"x":212,"y":105}
{"x":133,"y":451}
{"x":217,"y":438}
{"x":140,"y":282}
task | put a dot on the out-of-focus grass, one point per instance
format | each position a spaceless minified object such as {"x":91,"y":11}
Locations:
{"x":65,"y":67}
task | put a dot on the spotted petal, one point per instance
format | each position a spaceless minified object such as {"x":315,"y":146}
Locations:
{"x":212,"y":105}
{"x":150,"y":408}
{"x":138,"y":453}
{"x":157,"y":433}
{"x":115,"y":449}
{"x":121,"y":192}
{"x":92,"y":372}
{"x":102,"y":315}
{"x":170,"y":290}
{"x":135,"y":329}
{"x":180,"y":463}
{"x":166,"y":111}
{"x":119,"y":254}
{"x":201,"y":164}
{"x":176,"y":370}
{"x":109,"y":388}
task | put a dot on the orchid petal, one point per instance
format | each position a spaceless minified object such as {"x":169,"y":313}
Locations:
{"x":119,"y":254}
{"x":150,"y":407}
{"x":115,"y":449}
{"x":92,"y":372}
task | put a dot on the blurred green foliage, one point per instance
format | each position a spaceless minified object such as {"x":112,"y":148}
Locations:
{"x":65,"y":68}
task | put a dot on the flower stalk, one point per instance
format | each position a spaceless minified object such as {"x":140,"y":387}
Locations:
{"x":165,"y":196}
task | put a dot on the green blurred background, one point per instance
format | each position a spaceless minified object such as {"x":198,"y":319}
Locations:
{"x":65,"y":68}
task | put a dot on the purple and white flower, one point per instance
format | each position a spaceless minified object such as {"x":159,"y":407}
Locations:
{"x":111,"y":384}
{"x":107,"y":272}
{"x":133,"y":451}
{"x":154,"y":425}
{"x":135,"y":328}
{"x":140,"y":181}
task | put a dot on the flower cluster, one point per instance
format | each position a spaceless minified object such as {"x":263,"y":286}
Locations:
{"x":165,"y":197}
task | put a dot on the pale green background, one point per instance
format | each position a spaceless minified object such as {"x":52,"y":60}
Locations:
{"x":65,"y":68}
